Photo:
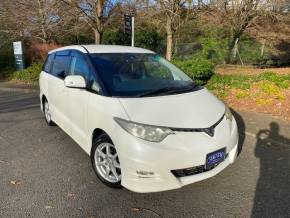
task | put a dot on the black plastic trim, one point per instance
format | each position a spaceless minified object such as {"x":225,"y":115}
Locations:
{"x":209,"y":130}
{"x":194,"y":170}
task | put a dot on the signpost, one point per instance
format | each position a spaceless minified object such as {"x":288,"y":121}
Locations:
{"x":129,"y":27}
{"x":18,"y":54}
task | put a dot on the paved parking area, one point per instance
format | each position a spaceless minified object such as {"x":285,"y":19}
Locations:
{"x":43,"y":173}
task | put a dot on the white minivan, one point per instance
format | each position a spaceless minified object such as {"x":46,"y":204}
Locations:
{"x":145,"y":124}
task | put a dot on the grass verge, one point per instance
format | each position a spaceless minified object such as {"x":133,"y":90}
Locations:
{"x":264,"y":93}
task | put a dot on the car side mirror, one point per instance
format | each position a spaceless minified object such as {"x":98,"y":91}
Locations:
{"x":75,"y":81}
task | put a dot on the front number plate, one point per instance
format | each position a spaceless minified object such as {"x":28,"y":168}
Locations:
{"x":214,"y":158}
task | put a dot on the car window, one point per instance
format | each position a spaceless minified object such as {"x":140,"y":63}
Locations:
{"x":48,"y":63}
{"x":60,"y":65}
{"x":79,"y":66}
{"x":135,"y":74}
{"x":93,"y":84}
{"x":157,"y":70}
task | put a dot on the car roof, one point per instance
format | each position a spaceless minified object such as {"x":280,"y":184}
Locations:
{"x":103,"y":49}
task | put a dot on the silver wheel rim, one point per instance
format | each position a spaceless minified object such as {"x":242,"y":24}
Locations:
{"x":47,"y":112}
{"x":107,"y":162}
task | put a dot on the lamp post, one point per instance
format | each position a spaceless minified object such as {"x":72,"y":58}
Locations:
{"x":130,"y":27}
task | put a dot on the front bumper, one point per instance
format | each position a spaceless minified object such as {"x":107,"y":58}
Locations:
{"x":148,"y":166}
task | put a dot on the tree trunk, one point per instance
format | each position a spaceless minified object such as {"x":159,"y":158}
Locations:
{"x":147,"y":4}
{"x":98,"y":36}
{"x":199,"y":4}
{"x":169,"y":39}
{"x":169,"y":45}
{"x":234,"y":49}
{"x":225,"y":5}
{"x":99,"y":21}
{"x":262,"y":48}
{"x":42,"y":17}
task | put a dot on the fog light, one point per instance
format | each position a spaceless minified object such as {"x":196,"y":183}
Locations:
{"x":144,"y":173}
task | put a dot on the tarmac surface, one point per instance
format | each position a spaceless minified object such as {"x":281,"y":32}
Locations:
{"x":44,"y":173}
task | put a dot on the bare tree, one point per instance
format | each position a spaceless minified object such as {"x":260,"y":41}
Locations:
{"x":95,"y":13}
{"x":176,"y":13}
{"x":34,"y":18}
{"x":240,"y":15}
{"x":4,"y":32}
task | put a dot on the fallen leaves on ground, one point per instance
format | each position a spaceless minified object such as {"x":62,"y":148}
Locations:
{"x":135,"y":209}
{"x":261,"y":103}
{"x":15,"y":182}
{"x":70,"y":195}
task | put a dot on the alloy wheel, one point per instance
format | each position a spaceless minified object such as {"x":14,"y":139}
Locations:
{"x":107,"y":162}
{"x":47,"y":112}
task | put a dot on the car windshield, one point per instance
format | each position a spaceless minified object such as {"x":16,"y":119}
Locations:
{"x":139,"y":74}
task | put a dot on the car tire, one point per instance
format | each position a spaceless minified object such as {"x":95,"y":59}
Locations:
{"x":47,"y":114}
{"x":105,"y":161}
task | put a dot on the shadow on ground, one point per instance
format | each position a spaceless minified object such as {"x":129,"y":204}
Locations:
{"x":272,"y":197}
{"x":272,"y":194}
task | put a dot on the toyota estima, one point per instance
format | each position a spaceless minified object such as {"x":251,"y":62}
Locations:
{"x":145,"y":124}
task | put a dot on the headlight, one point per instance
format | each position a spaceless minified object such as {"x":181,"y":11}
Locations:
{"x":228,"y":114}
{"x":143,"y":131}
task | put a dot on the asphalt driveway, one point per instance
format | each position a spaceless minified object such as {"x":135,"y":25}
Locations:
{"x":43,"y":173}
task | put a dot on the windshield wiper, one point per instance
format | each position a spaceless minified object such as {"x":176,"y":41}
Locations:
{"x":169,"y":90}
{"x":189,"y":88}
{"x":156,"y":92}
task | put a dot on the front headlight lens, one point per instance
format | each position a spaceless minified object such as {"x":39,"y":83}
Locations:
{"x":143,"y":131}
{"x":228,"y":114}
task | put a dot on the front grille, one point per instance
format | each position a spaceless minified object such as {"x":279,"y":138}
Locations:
{"x":193,"y":170}
{"x":210,"y":130}
{"x":188,"y":171}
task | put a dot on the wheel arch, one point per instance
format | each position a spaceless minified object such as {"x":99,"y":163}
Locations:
{"x":43,"y":99}
{"x":96,"y":133}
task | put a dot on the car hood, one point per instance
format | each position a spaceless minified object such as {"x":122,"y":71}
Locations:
{"x":198,"y":109}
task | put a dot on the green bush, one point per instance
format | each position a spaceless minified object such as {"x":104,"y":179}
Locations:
{"x":29,"y":75}
{"x":244,"y":82}
{"x":111,"y":37}
{"x":148,"y":38}
{"x":214,"y":43}
{"x":144,"y":38}
{"x":197,"y":68}
{"x":6,"y":58}
{"x":6,"y":73}
{"x":250,"y":50}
